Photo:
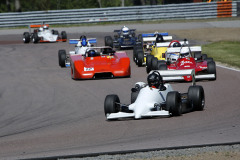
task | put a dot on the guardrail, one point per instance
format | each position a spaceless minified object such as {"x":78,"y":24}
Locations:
{"x":77,"y":16}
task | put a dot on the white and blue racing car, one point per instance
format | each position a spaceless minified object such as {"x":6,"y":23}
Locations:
{"x":82,"y":45}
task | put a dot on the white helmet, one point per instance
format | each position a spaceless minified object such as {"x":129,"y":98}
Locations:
{"x":173,"y":57}
{"x":125,"y":30}
{"x":40,"y":29}
{"x":184,"y":54}
{"x":45,"y":27}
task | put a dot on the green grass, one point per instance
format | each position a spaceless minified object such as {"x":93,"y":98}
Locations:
{"x":224,"y":51}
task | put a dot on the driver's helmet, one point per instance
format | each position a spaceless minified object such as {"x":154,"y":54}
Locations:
{"x":125,"y":30}
{"x":84,"y":42}
{"x":176,"y":44}
{"x":185,"y":55}
{"x":154,"y":79}
{"x":91,"y":53}
{"x":40,"y":29}
{"x":45,"y":27}
{"x":159,"y":38}
{"x":172,"y":57}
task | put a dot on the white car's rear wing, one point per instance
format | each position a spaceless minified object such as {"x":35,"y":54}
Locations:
{"x":153,"y":39}
{"x":174,"y":75}
{"x":184,"y":49}
{"x":166,"y":44}
{"x":75,"y":41}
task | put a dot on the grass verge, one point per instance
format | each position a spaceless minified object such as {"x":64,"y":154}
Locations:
{"x":227,"y":52}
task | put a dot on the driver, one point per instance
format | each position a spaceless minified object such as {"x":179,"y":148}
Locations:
{"x":176,"y":44}
{"x":155,"y":81}
{"x":125,"y":30}
{"x":40,"y":29}
{"x":91,"y":53}
{"x":83,"y":42}
{"x":184,"y":55}
{"x":172,"y":57}
{"x":45,"y":27}
{"x":159,"y":38}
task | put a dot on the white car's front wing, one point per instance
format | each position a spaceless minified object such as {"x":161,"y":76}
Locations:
{"x":162,"y":113}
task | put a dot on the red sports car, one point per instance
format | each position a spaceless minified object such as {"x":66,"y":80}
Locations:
{"x":180,"y":58}
{"x":100,"y":62}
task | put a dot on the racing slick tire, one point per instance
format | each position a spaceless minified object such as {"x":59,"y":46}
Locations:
{"x":35,"y":38}
{"x":211,"y":69}
{"x":196,"y":98}
{"x":26,"y":37}
{"x":204,"y":56}
{"x":209,"y":59}
{"x":64,"y":36}
{"x":108,"y":41}
{"x":198,"y":55}
{"x":140,"y":39}
{"x":154,"y":63}
{"x":110,"y":104}
{"x":135,"y":52}
{"x":61,"y":58}
{"x":162,"y":66}
{"x":173,"y":103}
{"x":149,"y":63}
{"x":140,"y":58}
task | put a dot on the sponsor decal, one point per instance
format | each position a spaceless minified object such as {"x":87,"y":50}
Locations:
{"x":89,"y":69}
{"x":110,"y":57}
{"x":185,"y":62}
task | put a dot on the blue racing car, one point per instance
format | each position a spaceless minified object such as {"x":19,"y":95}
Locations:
{"x":124,"y":38}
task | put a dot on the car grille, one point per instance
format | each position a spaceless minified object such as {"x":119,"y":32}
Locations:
{"x":103,"y":75}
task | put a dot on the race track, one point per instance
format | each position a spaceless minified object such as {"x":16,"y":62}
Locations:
{"x":43,"y":112}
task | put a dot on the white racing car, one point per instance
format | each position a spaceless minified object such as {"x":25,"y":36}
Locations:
{"x":156,"y":99}
{"x":43,"y":34}
{"x":82,"y":45}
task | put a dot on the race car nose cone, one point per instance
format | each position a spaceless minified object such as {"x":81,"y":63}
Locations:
{"x":137,"y":115}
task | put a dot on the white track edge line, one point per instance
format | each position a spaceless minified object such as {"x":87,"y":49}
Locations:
{"x":233,"y":69}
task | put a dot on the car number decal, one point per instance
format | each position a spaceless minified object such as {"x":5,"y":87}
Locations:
{"x":88,"y":69}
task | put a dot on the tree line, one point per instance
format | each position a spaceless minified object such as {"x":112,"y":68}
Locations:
{"x":41,"y":5}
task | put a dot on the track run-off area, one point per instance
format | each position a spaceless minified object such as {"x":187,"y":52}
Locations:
{"x":44,"y":113}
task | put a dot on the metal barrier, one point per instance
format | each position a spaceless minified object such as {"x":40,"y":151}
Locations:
{"x":112,"y":14}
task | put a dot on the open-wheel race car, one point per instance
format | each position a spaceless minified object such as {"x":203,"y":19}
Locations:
{"x":100,"y":62}
{"x":123,"y":38}
{"x":156,"y":99}
{"x":181,"y":58}
{"x":152,"y":46}
{"x":158,"y":52}
{"x":81,"y":46}
{"x":42,"y":33}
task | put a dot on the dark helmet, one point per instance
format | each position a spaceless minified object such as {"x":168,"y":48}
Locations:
{"x":154,"y":79}
{"x":176,"y":44}
{"x":91,"y":53}
{"x":159,"y":38}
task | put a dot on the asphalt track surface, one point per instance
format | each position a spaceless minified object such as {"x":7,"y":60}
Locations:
{"x":43,"y":112}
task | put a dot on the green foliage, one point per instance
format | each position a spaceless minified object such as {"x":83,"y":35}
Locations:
{"x":224,"y":51}
{"x":43,"y":5}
